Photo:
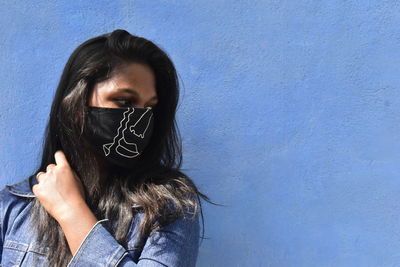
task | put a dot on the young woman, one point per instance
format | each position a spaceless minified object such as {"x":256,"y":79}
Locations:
{"x":109,"y":190}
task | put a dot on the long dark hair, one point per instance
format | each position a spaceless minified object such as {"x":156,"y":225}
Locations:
{"x":156,"y":182}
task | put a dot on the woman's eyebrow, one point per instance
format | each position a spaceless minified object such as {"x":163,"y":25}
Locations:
{"x":133,"y":92}
{"x":128,"y":90}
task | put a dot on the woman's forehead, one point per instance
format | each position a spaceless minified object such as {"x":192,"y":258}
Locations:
{"x":134,"y":78}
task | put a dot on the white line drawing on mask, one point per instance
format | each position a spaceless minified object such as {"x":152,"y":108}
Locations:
{"x":125,"y":148}
{"x":147,"y":126}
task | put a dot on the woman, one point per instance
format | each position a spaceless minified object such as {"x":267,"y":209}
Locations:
{"x":109,"y":190}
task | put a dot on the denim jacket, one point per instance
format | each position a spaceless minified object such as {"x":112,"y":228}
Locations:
{"x":176,"y":244}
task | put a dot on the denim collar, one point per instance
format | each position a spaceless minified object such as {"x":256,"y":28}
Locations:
{"x":23,"y":188}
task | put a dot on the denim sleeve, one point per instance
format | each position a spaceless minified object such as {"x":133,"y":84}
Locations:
{"x":174,"y":245}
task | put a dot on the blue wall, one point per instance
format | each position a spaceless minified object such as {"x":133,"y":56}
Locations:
{"x":289,"y":115}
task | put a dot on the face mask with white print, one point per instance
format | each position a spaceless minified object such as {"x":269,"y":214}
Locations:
{"x":120,"y":135}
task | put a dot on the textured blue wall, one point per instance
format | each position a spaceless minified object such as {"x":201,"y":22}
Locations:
{"x":289,"y":115}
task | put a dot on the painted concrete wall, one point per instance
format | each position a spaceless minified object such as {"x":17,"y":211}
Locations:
{"x":289,"y":115}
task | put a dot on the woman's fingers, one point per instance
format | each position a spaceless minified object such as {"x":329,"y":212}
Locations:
{"x":39,"y":176}
{"x":49,"y":167}
{"x":60,"y":158}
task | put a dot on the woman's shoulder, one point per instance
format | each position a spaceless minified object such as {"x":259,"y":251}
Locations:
{"x":21,"y":188}
{"x":16,"y":195}
{"x":18,"y":242}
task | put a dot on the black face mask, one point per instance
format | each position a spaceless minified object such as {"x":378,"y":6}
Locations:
{"x":119,"y":134}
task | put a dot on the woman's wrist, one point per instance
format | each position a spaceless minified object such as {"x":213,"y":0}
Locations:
{"x":67,"y":214}
{"x":76,"y":224}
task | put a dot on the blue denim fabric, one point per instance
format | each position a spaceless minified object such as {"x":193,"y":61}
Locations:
{"x":176,"y":244}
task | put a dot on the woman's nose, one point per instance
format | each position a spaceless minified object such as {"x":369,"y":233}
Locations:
{"x":139,"y":105}
{"x":142,"y":104}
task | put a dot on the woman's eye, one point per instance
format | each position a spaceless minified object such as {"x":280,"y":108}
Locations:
{"x":123,"y":100}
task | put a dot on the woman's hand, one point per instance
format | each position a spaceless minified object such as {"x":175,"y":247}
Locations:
{"x":59,"y":190}
{"x":62,"y":195}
